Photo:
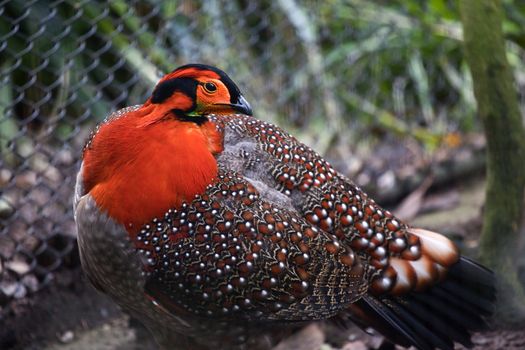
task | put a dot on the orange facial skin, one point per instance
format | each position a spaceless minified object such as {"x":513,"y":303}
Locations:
{"x":207,"y":98}
{"x":146,"y":161}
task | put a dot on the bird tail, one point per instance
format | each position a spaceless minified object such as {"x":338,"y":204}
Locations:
{"x":436,"y":317}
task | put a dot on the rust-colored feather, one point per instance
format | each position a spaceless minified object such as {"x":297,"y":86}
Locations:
{"x":132,"y":173}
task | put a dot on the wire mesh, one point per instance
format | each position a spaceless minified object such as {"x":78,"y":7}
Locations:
{"x":357,"y":66}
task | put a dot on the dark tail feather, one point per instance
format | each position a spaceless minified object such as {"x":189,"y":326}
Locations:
{"x":437,"y":317}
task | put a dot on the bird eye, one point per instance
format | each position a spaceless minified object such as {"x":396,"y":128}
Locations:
{"x":210,"y":87}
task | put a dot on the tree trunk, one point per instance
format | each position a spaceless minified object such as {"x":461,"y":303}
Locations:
{"x":499,"y":112}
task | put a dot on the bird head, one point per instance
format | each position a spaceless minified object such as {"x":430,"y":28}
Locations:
{"x":143,"y":161}
{"x":193,"y":91}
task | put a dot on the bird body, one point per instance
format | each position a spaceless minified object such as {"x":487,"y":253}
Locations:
{"x":219,"y":230}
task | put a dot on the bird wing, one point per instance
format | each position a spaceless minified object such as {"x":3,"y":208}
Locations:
{"x":401,"y":258}
{"x":420,"y":291}
{"x":231,"y":252}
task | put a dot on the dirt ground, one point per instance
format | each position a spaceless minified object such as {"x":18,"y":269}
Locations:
{"x":71,"y":315}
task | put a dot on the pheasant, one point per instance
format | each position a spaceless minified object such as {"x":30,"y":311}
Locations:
{"x":221,"y":231}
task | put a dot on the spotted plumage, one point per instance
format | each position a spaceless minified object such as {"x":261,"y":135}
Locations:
{"x":231,"y":254}
{"x":225,"y":231}
{"x":318,"y":193}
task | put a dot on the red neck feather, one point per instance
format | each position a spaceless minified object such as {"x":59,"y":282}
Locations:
{"x":140,"y":165}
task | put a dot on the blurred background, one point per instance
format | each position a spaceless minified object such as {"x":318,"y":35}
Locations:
{"x":380,"y":87}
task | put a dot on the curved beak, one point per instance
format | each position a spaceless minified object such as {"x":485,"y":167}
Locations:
{"x":242,"y":106}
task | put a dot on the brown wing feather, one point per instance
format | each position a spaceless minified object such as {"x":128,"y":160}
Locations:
{"x":231,"y":254}
{"x":416,"y":277}
{"x":400,"y":258}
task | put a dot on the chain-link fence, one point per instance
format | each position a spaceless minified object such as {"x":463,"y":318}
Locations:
{"x":334,"y":69}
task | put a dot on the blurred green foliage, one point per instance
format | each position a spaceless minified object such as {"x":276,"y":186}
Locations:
{"x":321,"y":68}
